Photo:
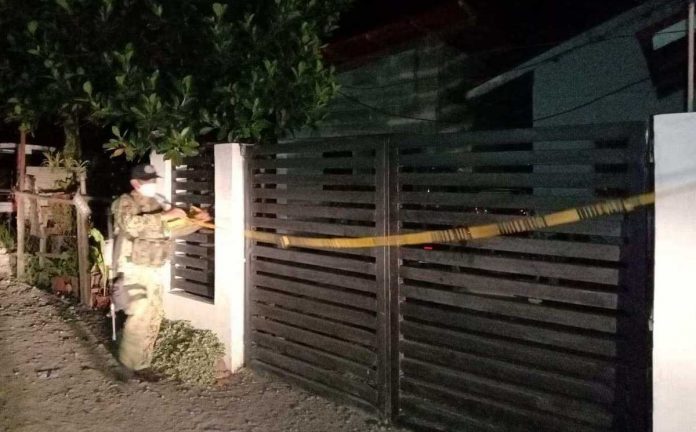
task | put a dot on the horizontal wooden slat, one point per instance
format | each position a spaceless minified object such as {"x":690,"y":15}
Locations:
{"x":325,"y":343}
{"x":526,"y":419}
{"x":197,"y":263}
{"x":193,"y":186}
{"x":324,"y":360}
{"x":601,"y":346}
{"x":518,"y":395}
{"x":192,"y":287}
{"x":517,"y":309}
{"x":206,"y":277}
{"x":204,"y":251}
{"x":318,"y":388}
{"x":193,"y":199}
{"x":190,"y":174}
{"x":495,"y":286}
{"x":324,"y":277}
{"x":352,"y":298}
{"x":607,"y":226}
{"x":501,"y":200}
{"x":426,"y":415}
{"x":313,"y":227}
{"x":320,"y":179}
{"x":592,"y":227}
{"x":332,"y":262}
{"x":314,"y":162}
{"x":568,"y":249}
{"x":314,"y":195}
{"x":585,"y":273}
{"x":313,"y":307}
{"x":323,"y":326}
{"x":589,"y":132}
{"x":513,"y":158}
{"x":317,"y":374}
{"x":310,"y":146}
{"x":306,"y":211}
{"x":516,"y":180}
{"x":508,"y":372}
{"x":200,"y":237}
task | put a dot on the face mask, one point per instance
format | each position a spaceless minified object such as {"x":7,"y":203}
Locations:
{"x":148,"y":190}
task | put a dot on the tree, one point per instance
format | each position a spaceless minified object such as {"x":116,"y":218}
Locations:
{"x":47,"y":57}
{"x":162,"y":76}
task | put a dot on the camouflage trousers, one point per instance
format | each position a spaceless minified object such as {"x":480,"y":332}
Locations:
{"x":145,"y":313}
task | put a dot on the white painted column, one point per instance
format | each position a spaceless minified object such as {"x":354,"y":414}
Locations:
{"x":229,"y":242}
{"x":225,"y":314}
{"x":674,"y":334}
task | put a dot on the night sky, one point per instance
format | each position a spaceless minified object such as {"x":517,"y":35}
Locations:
{"x":516,"y":21}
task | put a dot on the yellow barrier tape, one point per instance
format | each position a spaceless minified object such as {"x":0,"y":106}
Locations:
{"x":531,"y":223}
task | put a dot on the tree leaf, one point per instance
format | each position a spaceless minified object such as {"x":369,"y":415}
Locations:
{"x":32,"y":26}
{"x":64,"y":4}
{"x":219,"y":9}
{"x":87,"y":87}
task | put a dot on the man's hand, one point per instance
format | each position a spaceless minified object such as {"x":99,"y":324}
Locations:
{"x":174,"y":213}
{"x":201,"y":215}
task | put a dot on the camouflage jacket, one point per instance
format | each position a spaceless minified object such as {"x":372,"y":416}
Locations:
{"x":141,"y":236}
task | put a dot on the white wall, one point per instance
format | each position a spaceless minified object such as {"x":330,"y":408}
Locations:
{"x":225,"y":314}
{"x":674,"y":347}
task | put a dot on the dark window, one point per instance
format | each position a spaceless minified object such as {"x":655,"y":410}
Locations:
{"x":665,"y":48}
{"x":509,"y":106}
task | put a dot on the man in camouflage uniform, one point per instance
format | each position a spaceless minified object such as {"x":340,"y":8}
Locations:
{"x":141,"y":250}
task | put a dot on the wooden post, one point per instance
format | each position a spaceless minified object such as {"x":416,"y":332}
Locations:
{"x":83,"y":249}
{"x":19,"y":201}
{"x":387,"y":262}
{"x":21,"y":159}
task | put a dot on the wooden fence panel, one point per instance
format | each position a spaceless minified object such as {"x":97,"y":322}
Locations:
{"x":313,"y":314}
{"x":523,"y":332}
{"x":545,"y":330}
{"x":193,"y":265}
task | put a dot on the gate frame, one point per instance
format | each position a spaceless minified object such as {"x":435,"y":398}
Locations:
{"x":638,"y":256}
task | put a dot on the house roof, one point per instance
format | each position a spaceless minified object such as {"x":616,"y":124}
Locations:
{"x":446,"y":17}
{"x":633,"y":21}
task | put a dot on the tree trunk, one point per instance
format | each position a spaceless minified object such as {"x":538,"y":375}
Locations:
{"x":72,"y":140}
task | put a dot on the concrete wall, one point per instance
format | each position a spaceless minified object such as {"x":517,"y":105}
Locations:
{"x":674,"y":330}
{"x":225,"y":314}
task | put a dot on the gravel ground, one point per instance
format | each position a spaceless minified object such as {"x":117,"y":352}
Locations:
{"x":56,"y":375}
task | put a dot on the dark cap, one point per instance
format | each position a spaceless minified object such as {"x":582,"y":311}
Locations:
{"x":143,"y":172}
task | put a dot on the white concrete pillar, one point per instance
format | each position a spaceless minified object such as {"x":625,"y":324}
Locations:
{"x":224,"y":315}
{"x":229,"y":243}
{"x":674,"y":330}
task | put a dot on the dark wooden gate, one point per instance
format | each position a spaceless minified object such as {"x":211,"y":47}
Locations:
{"x":193,"y":265}
{"x":541,"y":331}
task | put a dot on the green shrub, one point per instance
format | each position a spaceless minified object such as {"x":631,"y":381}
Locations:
{"x":7,"y":235}
{"x":40,"y":276}
{"x":187,"y":354}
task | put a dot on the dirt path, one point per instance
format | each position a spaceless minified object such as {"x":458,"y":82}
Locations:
{"x":54,"y":377}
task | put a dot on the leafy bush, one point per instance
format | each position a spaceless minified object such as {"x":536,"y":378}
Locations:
{"x":187,"y":354}
{"x":7,"y":235}
{"x":40,"y":276}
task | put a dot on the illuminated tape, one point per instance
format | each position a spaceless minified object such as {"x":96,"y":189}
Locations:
{"x":454,"y":235}
{"x":531,"y":223}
